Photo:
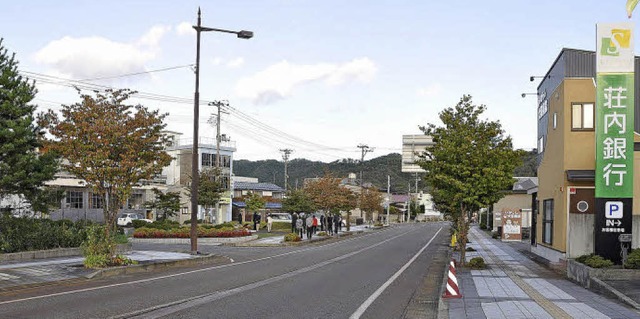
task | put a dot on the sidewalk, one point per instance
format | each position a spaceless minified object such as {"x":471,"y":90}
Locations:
{"x":514,"y":286}
{"x":41,"y":271}
{"x":279,"y":239}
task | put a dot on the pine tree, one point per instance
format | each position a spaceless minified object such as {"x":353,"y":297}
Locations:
{"x":22,"y":169}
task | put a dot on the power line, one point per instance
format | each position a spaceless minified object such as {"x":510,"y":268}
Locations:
{"x":138,"y":73}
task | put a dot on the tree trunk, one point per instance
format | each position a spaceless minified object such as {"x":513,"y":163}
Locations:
{"x":462,"y":235}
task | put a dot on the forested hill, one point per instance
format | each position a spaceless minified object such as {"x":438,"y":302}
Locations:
{"x":375,"y":171}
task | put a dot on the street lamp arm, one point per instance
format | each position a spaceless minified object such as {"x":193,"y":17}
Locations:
{"x":242,"y":34}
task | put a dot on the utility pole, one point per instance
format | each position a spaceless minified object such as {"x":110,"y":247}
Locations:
{"x":388,"y":196}
{"x":285,"y":156}
{"x":409,"y":203}
{"x":218,"y":104}
{"x":364,"y":149}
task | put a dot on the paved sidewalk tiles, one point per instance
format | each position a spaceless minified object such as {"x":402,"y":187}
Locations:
{"x":516,"y":287}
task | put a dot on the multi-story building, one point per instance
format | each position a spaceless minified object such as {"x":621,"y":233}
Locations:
{"x":178,"y":173}
{"x":565,"y":199}
{"x":271,"y":193}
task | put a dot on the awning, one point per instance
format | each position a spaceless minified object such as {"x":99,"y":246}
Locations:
{"x":581,"y":175}
{"x":268,"y":205}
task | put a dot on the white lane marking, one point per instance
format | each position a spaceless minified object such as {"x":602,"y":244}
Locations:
{"x":384,"y":286}
{"x":178,"y":274}
{"x":175,"y":306}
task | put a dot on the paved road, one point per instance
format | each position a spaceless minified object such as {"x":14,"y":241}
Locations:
{"x":384,"y":274}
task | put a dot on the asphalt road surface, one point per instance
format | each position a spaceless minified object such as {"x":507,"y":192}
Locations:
{"x":391,"y":273}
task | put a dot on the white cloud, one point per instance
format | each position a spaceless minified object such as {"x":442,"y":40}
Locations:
{"x":89,"y":57}
{"x":431,"y":90}
{"x":153,"y":36}
{"x":278,"y":81}
{"x":216,"y":61}
{"x":235,"y":63}
{"x":184,"y":28}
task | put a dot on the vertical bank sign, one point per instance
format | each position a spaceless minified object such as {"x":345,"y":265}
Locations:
{"x":614,"y":137}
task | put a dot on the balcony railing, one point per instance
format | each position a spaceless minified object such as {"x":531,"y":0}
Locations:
{"x":202,"y":142}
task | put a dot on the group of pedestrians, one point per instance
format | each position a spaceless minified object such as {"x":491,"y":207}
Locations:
{"x":309,"y":224}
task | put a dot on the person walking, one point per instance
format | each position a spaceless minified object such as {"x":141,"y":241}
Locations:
{"x":330,"y":224}
{"x":336,"y":223}
{"x":315,"y":224}
{"x":309,"y":223}
{"x":300,"y":227}
{"x":323,"y":223}
{"x":269,"y":223}
{"x":256,"y":221}
{"x":294,"y":219}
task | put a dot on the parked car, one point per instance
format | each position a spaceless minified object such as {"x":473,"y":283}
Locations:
{"x":127,"y":219}
{"x":281,"y":217}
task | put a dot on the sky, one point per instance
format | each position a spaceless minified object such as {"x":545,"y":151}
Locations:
{"x":318,"y":77}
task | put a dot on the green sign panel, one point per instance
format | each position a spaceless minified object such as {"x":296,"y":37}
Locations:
{"x":614,"y":135}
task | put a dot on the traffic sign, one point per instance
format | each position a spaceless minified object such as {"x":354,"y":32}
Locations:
{"x":613,"y":209}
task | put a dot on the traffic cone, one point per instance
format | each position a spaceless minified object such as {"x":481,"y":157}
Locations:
{"x":452,"y":290}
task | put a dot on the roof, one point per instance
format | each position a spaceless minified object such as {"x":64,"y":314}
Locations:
{"x":257,"y":186}
{"x":399,"y":198}
{"x":525,"y":183}
{"x":268,"y":205}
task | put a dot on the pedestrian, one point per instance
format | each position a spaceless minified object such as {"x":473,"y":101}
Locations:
{"x":294,"y":219}
{"x":269,"y":223}
{"x":309,"y":223}
{"x":256,"y":221}
{"x":336,"y":223}
{"x":315,"y":224}
{"x":300,"y":227}
{"x":330,"y":224}
{"x":240,"y":218}
{"x":323,"y":222}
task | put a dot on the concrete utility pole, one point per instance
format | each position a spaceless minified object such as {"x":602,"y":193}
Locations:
{"x":218,"y":104}
{"x":285,"y":156}
{"x":409,"y":203}
{"x":365,"y":149}
{"x":388,"y":196}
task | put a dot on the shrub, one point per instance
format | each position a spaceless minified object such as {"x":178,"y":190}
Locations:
{"x":185,"y":232}
{"x":97,"y":248}
{"x":164,"y":224}
{"x":477,"y":263}
{"x":322,"y":233}
{"x":483,"y":225}
{"x":136,"y":223}
{"x":292,"y":237}
{"x":495,"y":235}
{"x":594,"y":261}
{"x":281,"y":226}
{"x":633,"y":259}
{"x":24,"y":234}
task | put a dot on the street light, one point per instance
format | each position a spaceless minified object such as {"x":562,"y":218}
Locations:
{"x":195,"y":177}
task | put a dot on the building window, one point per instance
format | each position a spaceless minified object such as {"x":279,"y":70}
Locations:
{"x":74,"y":199}
{"x":136,"y":201}
{"x":184,"y":210}
{"x":582,"y":116}
{"x":541,"y":144}
{"x":97,"y":201}
{"x":207,"y":160}
{"x":547,"y":222}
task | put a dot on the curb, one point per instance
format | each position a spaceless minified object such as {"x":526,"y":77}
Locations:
{"x":602,"y":286}
{"x":131,"y":269}
{"x":443,"y":307}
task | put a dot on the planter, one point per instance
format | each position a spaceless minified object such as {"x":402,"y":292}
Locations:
{"x":584,"y":274}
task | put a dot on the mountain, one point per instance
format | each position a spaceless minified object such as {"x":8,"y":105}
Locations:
{"x":374,"y":171}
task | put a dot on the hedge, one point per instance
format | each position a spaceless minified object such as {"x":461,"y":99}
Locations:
{"x":24,"y":234}
{"x":185,"y":232}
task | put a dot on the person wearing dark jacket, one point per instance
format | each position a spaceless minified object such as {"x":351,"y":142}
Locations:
{"x":330,"y":224}
{"x":256,"y":221}
{"x":294,"y":219}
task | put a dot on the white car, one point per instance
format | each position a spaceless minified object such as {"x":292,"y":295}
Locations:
{"x":127,"y":219}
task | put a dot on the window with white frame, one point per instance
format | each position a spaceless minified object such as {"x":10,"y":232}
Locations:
{"x":582,"y":116}
{"x":547,"y":221}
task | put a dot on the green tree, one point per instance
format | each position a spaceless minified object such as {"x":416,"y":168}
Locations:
{"x":165,"y":204}
{"x":298,"y":201}
{"x":109,"y":144}
{"x":469,"y":165}
{"x":210,"y":188}
{"x":22,"y":169}
{"x":254,"y":202}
